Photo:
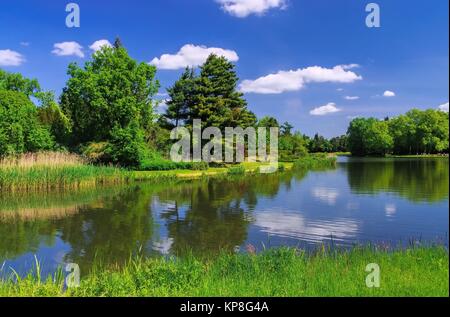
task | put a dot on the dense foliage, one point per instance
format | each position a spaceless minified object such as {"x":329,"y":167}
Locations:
{"x":109,"y":100}
{"x":20,"y":129}
{"x":416,"y":132}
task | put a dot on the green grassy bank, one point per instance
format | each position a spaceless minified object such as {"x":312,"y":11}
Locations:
{"x":276,"y":272}
{"x":60,"y":171}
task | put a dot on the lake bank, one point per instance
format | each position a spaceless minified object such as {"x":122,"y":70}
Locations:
{"x":72,"y":173}
{"x":420,"y":271}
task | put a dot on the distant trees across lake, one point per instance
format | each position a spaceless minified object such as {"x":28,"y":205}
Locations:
{"x":416,"y":132}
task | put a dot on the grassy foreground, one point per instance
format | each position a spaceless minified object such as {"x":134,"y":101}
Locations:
{"x":277,"y":272}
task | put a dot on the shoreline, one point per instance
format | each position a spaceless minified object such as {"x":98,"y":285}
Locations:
{"x":415,"y":271}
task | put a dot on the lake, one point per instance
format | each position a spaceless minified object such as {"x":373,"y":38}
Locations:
{"x":368,"y":200}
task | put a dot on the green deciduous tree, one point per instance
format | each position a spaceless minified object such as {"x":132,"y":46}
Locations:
{"x":110,"y":99}
{"x":16,"y":82}
{"x":369,"y":136}
{"x":20,"y":129}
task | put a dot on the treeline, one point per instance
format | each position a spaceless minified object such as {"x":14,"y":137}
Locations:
{"x":108,"y":111}
{"x":416,"y":132}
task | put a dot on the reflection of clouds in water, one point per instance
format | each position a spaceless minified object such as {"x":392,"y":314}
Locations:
{"x":353,"y":206}
{"x":163,"y":246}
{"x":390,"y":210}
{"x":326,"y":195}
{"x":294,"y":225}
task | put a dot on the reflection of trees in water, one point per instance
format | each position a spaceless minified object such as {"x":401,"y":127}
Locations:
{"x":418,"y":180}
{"x":111,"y":225}
{"x":216,"y":212}
{"x":108,"y":230}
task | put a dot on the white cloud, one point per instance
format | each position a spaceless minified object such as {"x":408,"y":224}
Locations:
{"x":340,"y":89}
{"x":244,"y":8}
{"x":350,"y":66}
{"x":444,"y":107}
{"x":25,"y":44}
{"x":68,"y":49}
{"x":11,"y":58}
{"x":191,"y":55}
{"x":389,"y":93}
{"x":324,"y":110}
{"x":351,"y":97}
{"x":97,"y":45}
{"x":294,"y":80}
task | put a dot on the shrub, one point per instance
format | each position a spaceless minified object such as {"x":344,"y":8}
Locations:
{"x":236,"y":170}
{"x":95,"y":152}
{"x":127,"y":146}
{"x":315,"y":161}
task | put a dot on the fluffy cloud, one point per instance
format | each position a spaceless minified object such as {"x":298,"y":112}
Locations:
{"x":294,"y":80}
{"x":244,"y":8}
{"x":324,"y":110}
{"x":444,"y":107}
{"x":389,"y":93}
{"x":68,"y":49}
{"x":11,"y":58}
{"x":351,"y":97}
{"x":97,"y":45}
{"x":191,"y":55}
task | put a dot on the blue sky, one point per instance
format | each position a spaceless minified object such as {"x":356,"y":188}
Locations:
{"x":288,"y":54}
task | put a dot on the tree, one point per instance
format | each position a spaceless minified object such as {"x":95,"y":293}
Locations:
{"x":286,"y":128}
{"x":20,"y":129}
{"x":268,"y":122}
{"x":339,"y":144}
{"x":111,"y":93}
{"x":181,"y":97}
{"x":16,"y":82}
{"x":319,"y":144}
{"x":291,"y":147}
{"x":51,"y":115}
{"x":369,"y":137}
{"x":216,"y":101}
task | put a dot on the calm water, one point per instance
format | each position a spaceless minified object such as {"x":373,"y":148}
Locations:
{"x":361,"y":201}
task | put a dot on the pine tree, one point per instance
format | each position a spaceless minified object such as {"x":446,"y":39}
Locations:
{"x":118,"y":43}
{"x":216,"y":101}
{"x":181,"y":96}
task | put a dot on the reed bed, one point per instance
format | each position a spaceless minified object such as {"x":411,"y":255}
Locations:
{"x":54,"y":170}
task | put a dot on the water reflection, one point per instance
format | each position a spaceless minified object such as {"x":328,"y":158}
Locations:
{"x":360,"y":201}
{"x":419,"y":180}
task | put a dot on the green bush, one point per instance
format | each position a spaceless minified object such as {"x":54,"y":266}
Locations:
{"x":127,"y":146}
{"x":316,"y":161}
{"x":20,"y":129}
{"x":236,"y":170}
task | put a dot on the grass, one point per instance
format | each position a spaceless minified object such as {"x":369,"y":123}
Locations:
{"x":418,"y":271}
{"x":53,"y":170}
{"x":315,"y":161}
